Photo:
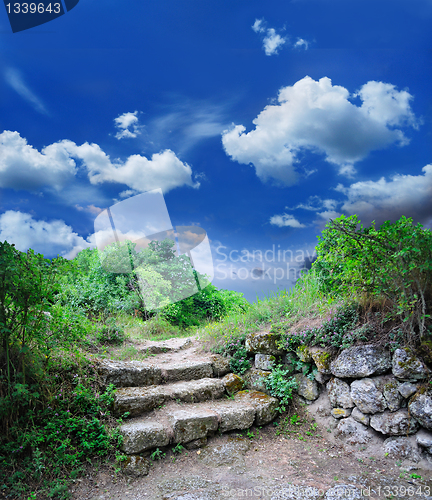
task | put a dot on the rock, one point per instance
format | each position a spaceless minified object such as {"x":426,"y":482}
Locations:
{"x":345,"y":491}
{"x":289,"y":362}
{"x":341,"y":412}
{"x":408,"y":367}
{"x":187,"y":370}
{"x":420,"y":407}
{"x":361,"y":361}
{"x":407,"y":389}
{"x":136,"y":466}
{"x":255,"y":379}
{"x":137,"y":400}
{"x":367,"y":397}
{"x":129,"y":373}
{"x":322,"y":360}
{"x":220,"y":364}
{"x":304,"y":354}
{"x":306,"y":387}
{"x":143,"y":435}
{"x":197,"y":443}
{"x":424,"y":439}
{"x":322,"y":378}
{"x":264,"y":361}
{"x":355,"y":432}
{"x":232,"y":415}
{"x":226,"y":453}
{"x":360,"y":417}
{"x":398,"y":423}
{"x":265,"y":406}
{"x":388,"y":385}
{"x":263,"y":343}
{"x":401,"y":448}
{"x":233,"y":383}
{"x":189,"y":426}
{"x":339,"y":393}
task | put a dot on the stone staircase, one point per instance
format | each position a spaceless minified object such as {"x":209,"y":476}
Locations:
{"x":179,"y":395}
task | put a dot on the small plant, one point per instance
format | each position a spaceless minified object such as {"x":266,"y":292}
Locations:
{"x":415,"y":476}
{"x":295,"y":419}
{"x":178,"y":448}
{"x":281,"y":386}
{"x":157,"y":455}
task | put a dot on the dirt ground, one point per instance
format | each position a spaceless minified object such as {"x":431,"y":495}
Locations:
{"x":295,"y":458}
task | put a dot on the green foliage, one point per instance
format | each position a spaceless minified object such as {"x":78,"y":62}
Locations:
{"x":281,"y":386}
{"x":110,"y":333}
{"x":157,"y":454}
{"x":393,"y":261}
{"x":236,"y":349}
{"x":340,"y":329}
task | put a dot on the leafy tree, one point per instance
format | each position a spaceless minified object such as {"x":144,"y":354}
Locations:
{"x":393,"y":261}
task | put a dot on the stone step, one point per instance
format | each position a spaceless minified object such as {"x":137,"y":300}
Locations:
{"x":143,"y":373}
{"x":183,"y":423}
{"x":138,"y":400}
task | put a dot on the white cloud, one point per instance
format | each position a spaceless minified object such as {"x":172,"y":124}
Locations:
{"x":164,"y":170}
{"x":285,"y":220}
{"x":273,"y":41}
{"x":15,"y":80}
{"x":124,"y":123}
{"x":409,"y":195}
{"x":24,"y":167}
{"x":319,"y":117}
{"x":301,"y":43}
{"x":49,"y":238}
{"x":315,"y":203}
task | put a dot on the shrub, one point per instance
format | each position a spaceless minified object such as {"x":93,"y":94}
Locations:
{"x":281,"y":386}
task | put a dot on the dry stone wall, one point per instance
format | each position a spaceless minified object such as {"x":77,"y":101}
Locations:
{"x":368,"y":389}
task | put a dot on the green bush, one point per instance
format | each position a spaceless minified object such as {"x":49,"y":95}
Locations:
{"x":281,"y":385}
{"x":392,"y":262}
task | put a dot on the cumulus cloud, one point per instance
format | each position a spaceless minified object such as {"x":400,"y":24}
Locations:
{"x":16,"y":81}
{"x":285,"y":220}
{"x":319,"y":117}
{"x":24,"y":167}
{"x":273,"y":41}
{"x":49,"y":238}
{"x":127,"y":123}
{"x":409,"y":195}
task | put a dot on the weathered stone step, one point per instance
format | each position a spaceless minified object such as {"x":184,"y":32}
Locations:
{"x":178,"y":423}
{"x":138,"y":400}
{"x":142,"y":373}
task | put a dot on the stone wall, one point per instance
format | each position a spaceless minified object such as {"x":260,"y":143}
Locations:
{"x":366,"y":387}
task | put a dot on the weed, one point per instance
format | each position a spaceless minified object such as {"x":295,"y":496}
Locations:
{"x":157,"y":454}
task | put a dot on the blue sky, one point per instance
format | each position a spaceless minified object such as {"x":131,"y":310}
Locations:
{"x":258,"y":120}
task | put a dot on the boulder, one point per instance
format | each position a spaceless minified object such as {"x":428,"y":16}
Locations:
{"x":263,"y":343}
{"x":389,"y":386}
{"x":407,"y":389}
{"x":360,"y":417}
{"x":265,"y":406}
{"x":233,"y":383}
{"x":322,"y":378}
{"x":341,"y":412}
{"x":339,"y":393}
{"x":353,"y":431}
{"x":264,"y":361}
{"x":304,"y":354}
{"x":420,"y":407}
{"x":361,"y":361}
{"x":401,"y":448}
{"x":306,"y":387}
{"x":143,"y":435}
{"x":255,"y":379}
{"x":289,"y":362}
{"x":424,"y":439}
{"x":233,"y":416}
{"x":398,"y":423}
{"x":322,"y":360}
{"x":367,"y":397}
{"x":408,"y":367}
{"x":136,"y":466}
{"x":189,"y":426}
{"x":220,"y":364}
